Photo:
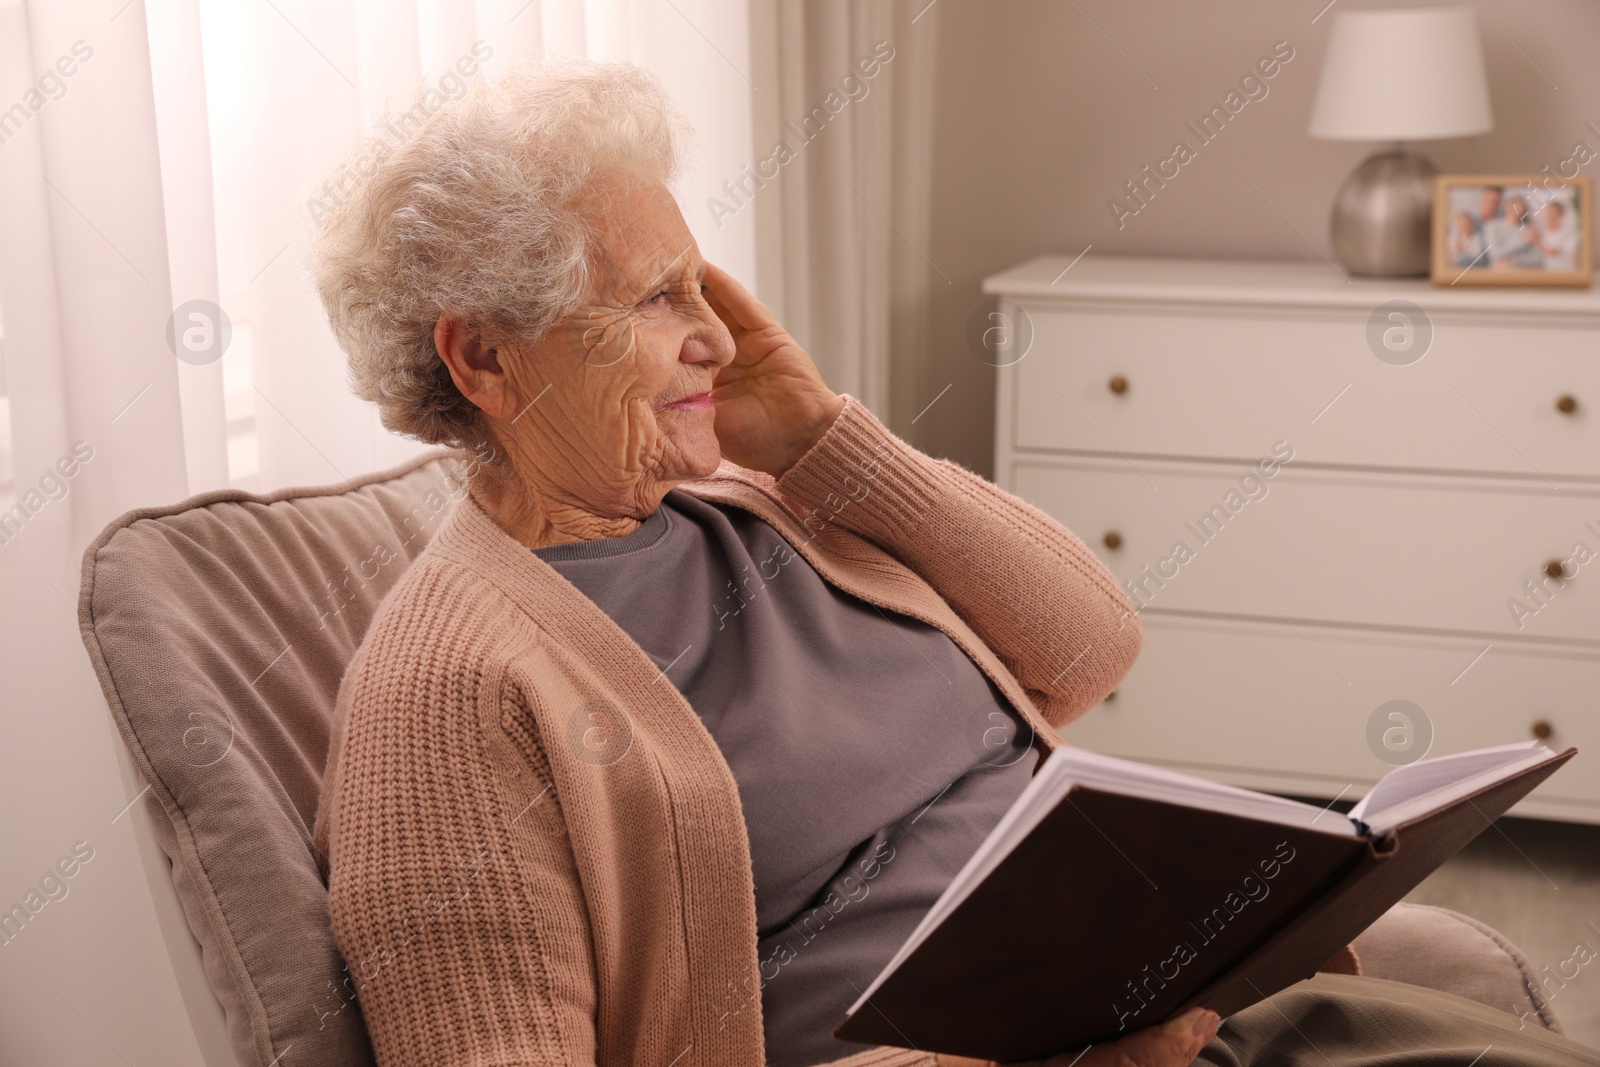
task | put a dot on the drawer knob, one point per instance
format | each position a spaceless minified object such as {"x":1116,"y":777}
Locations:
{"x":1555,"y":569}
{"x":1542,"y":729}
{"x":1113,"y":540}
{"x":1566,"y":404}
{"x":1118,"y":384}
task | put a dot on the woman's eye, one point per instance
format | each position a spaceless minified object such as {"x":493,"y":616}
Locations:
{"x":658,"y":298}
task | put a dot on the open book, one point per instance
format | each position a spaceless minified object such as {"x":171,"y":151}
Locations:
{"x":1113,"y":896}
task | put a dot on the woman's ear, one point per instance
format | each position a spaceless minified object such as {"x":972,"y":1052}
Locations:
{"x":475,"y":367}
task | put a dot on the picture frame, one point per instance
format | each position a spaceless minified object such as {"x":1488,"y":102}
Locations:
{"x":1539,"y":230}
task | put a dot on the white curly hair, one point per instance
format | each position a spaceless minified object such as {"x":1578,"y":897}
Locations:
{"x":478,"y":215}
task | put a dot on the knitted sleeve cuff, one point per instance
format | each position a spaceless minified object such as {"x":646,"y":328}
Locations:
{"x":863,"y":478}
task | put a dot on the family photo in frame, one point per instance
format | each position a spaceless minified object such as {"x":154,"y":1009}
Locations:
{"x":1516,"y":229}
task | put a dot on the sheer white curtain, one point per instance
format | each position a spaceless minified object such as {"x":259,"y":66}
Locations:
{"x":847,"y":86}
{"x":154,"y":153}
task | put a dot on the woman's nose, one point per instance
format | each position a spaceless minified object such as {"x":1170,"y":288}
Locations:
{"x":710,"y":342}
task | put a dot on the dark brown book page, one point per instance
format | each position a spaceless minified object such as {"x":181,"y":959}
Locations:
{"x":1111,"y":914}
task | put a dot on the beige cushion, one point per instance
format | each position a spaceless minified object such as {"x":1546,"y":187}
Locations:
{"x":1424,"y":945}
{"x":220,"y":629}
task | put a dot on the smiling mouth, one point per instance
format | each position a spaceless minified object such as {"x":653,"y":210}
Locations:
{"x":689,"y":403}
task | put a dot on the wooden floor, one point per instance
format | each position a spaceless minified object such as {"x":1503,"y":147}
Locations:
{"x":1538,"y":883}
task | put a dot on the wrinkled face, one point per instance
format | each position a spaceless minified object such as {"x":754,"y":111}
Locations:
{"x":623,"y":407}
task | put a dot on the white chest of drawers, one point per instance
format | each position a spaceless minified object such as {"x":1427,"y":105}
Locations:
{"x":1412,"y":503}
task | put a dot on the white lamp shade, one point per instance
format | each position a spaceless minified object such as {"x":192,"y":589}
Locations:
{"x":1403,"y":74}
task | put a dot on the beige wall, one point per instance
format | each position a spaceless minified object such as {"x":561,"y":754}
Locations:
{"x":1039,"y":121}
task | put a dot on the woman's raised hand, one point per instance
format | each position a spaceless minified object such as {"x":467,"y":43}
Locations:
{"x":772,"y":404}
{"x":1175,"y":1043}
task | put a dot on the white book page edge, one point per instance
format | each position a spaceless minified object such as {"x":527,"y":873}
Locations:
{"x":1450,"y":792}
{"x":1498,"y":759}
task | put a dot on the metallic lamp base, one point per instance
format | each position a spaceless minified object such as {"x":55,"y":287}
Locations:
{"x":1382,"y":217}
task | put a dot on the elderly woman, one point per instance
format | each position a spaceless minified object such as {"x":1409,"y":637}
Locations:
{"x":710,"y":684}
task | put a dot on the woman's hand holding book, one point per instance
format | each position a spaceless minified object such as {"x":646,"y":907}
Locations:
{"x":1173,"y":1044}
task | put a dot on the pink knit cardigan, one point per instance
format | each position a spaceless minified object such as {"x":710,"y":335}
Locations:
{"x":535,"y":851}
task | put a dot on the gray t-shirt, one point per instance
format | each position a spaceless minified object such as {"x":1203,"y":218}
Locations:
{"x":872,"y":755}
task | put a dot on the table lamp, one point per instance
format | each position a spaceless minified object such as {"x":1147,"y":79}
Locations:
{"x":1400,"y":74}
